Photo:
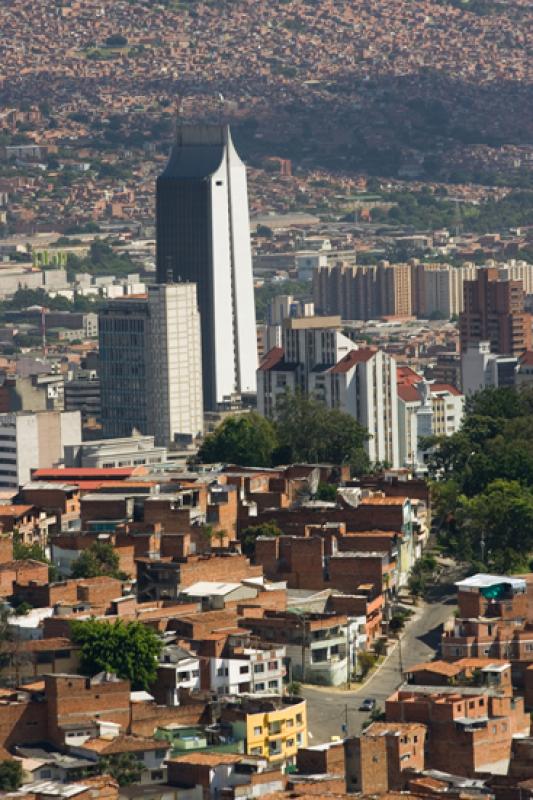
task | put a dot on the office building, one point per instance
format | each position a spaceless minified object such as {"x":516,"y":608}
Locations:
{"x":32,"y":440}
{"x":123,"y":328}
{"x":150,"y":365}
{"x":494,"y":312}
{"x":481,"y":368}
{"x":174,"y":363}
{"x":82,"y":393}
{"x":318,"y":359}
{"x":132,"y":451}
{"x":203,"y":236}
{"x":283,"y":306}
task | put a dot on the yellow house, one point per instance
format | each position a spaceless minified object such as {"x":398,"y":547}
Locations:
{"x":273,"y":727}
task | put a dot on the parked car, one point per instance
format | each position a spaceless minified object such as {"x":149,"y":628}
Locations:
{"x":368,"y":704}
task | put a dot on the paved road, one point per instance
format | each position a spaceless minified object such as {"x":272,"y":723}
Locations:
{"x":327,"y":709}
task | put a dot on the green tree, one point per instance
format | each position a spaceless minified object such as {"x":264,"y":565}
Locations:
{"x":365,"y":662}
{"x":98,"y":559}
{"x":128,"y":649}
{"x":125,"y":768}
{"x":294,"y":689}
{"x":326,"y":492}
{"x":10,"y":775}
{"x":33,"y":552}
{"x":496,"y":525}
{"x":396,"y":624}
{"x":6,"y":636}
{"x":311,"y":432}
{"x":116,"y":40}
{"x":250,"y":534}
{"x":23,"y":552}
{"x":502,"y":403}
{"x":248,"y":440}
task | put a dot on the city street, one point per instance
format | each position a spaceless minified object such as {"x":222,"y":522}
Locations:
{"x":328,"y":709}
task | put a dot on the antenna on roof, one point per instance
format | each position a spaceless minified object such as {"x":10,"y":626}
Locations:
{"x":170,"y":271}
{"x":222,"y":103}
{"x":179,"y":112}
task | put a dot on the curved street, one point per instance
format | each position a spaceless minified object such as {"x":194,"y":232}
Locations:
{"x":329,"y":709}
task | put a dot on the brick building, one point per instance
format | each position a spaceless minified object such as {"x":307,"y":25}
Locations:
{"x":469,"y":729}
{"x":494,"y":622}
{"x":494,"y":312}
{"x":377,"y":761}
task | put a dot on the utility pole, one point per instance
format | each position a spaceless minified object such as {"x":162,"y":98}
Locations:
{"x":400,"y":653}
{"x":345,"y":726}
{"x":303,"y":648}
{"x":348,"y":660}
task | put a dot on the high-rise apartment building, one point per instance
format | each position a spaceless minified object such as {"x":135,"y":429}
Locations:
{"x":517,"y":271}
{"x":203,"y":236}
{"x":392,"y":290}
{"x":393,"y":285}
{"x":346,"y":289}
{"x":318,"y":359}
{"x":494,"y":312}
{"x":361,"y":292}
{"x":437,"y":289}
{"x":151,"y":364}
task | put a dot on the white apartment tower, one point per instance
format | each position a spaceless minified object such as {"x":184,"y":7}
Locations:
{"x":175,"y":362}
{"x":203,"y":236}
{"x":151,"y":365}
{"x":318,"y":359}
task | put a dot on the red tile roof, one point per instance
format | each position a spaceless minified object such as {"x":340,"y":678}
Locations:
{"x":527,"y":358}
{"x":408,"y":393}
{"x":352,"y":358}
{"x":83,"y":472}
{"x":14,"y":511}
{"x":445,"y":387}
{"x":272,"y":358}
{"x":407,"y":375}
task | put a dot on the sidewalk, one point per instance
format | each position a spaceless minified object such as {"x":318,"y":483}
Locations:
{"x":357,"y":686}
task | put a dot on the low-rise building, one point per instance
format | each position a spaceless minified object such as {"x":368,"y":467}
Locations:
{"x":316,"y":644}
{"x":469,"y":729}
{"x":384,"y":757}
{"x":272,"y":727}
{"x":216,"y":775}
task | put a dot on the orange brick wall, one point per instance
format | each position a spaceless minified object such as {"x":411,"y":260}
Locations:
{"x":217,"y":568}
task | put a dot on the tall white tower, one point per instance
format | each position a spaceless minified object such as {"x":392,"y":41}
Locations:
{"x":151,"y":364}
{"x":174,"y":365}
{"x":203,"y":235}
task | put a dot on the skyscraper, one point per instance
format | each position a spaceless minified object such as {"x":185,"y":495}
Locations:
{"x":151,"y":366}
{"x":203,"y":235}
